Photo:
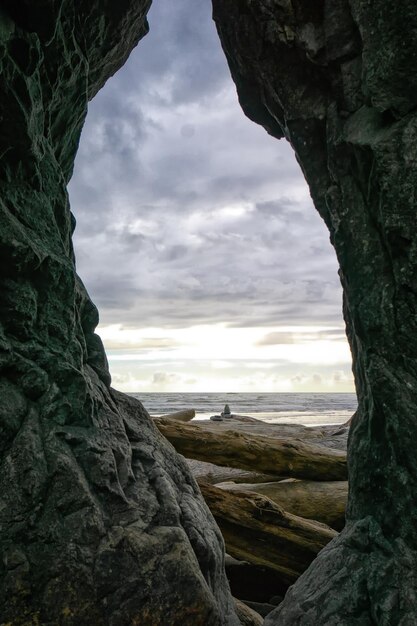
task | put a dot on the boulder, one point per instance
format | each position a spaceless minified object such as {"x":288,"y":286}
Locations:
{"x":337,"y":79}
{"x":101,"y":521}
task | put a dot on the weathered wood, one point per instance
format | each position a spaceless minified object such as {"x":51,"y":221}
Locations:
{"x":180,"y":416}
{"x":330,"y":436}
{"x":246,"y":615}
{"x":213,"y":474}
{"x":257,"y":530}
{"x":321,"y":501}
{"x":288,"y":457}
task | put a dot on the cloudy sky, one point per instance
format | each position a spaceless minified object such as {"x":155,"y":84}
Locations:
{"x":196,"y":235}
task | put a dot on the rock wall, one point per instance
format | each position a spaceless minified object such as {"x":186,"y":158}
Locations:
{"x":337,"y":79}
{"x":101,"y":522}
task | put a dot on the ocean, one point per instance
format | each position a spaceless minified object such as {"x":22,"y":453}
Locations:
{"x":309,"y":409}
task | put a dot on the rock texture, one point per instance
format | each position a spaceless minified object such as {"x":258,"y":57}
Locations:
{"x":100,"y":520}
{"x":337,"y":79}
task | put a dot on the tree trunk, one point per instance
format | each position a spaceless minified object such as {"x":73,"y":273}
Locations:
{"x":321,"y":501}
{"x":337,"y":79}
{"x":257,"y":530}
{"x":253,"y":452}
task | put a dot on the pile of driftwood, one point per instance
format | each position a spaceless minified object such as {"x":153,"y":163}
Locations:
{"x":278,"y":494}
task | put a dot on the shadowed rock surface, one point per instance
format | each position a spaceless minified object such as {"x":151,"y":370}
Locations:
{"x":337,"y":79}
{"x":101,"y":522}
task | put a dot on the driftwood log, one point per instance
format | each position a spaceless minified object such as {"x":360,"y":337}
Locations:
{"x":334,"y":436}
{"x":257,"y":530}
{"x":287,"y":457}
{"x":180,"y":416}
{"x":321,"y":501}
{"x":246,"y":615}
{"x":214,"y":474}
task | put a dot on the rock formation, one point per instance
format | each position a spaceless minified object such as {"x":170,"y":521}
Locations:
{"x":337,"y":79}
{"x":101,"y":522}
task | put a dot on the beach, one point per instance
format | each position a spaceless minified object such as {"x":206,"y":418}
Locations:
{"x":308,"y":409}
{"x":276,"y":487}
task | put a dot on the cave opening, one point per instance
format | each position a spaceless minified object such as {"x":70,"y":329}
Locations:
{"x":196,"y":235}
{"x":97,"y":508}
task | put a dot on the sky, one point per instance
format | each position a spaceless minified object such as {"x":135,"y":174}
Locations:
{"x":196,"y":235}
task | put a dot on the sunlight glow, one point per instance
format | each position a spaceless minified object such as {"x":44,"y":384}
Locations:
{"x":219,"y":358}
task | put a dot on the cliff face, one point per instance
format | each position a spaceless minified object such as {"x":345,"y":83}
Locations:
{"x":100,"y":520}
{"x":337,"y":79}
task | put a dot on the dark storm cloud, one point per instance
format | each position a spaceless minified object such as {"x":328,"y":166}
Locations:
{"x":188,"y":212}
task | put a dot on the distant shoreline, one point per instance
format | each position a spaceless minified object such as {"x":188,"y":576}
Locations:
{"x":307,"y":409}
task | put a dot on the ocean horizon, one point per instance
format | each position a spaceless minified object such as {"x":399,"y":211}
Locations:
{"x":309,"y":409}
